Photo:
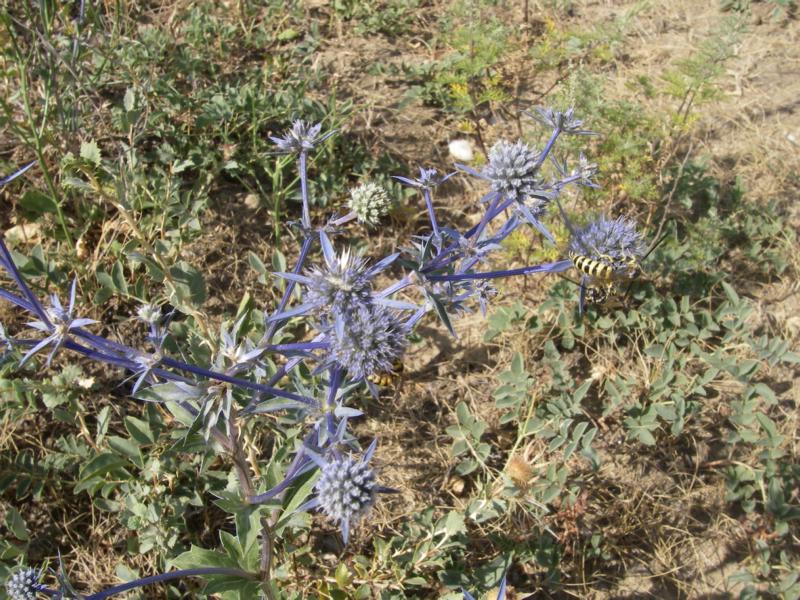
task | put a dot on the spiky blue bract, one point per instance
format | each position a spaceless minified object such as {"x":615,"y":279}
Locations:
{"x":59,"y":324}
{"x":612,"y":241}
{"x":17,"y":173}
{"x":512,"y":170}
{"x":24,"y":584}
{"x":565,"y":121}
{"x":302,"y":137}
{"x":428,"y":179}
{"x":368,"y":341}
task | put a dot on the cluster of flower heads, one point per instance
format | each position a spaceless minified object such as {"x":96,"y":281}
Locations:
{"x":360,"y":330}
{"x":365,"y":335}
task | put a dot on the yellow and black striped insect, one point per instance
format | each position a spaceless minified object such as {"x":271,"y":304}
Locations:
{"x":387,"y":378}
{"x":605,"y":269}
{"x":600,"y":273}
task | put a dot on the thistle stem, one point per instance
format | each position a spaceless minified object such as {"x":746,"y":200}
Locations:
{"x":306,"y":218}
{"x":287,"y":293}
{"x":118,"y":589}
{"x":548,"y":147}
{"x":426,"y":193}
{"x":553,"y":267}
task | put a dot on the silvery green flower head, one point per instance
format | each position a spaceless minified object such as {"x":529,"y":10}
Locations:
{"x":341,"y":285}
{"x":346,"y":489}
{"x":302,"y":137}
{"x":562,"y":121}
{"x":370,"y":202}
{"x":367,"y":341}
{"x":24,"y":584}
{"x":612,"y":241}
{"x":585,"y":172}
{"x":60,"y":322}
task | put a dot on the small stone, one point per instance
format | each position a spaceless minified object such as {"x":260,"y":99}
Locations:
{"x":461,"y":150}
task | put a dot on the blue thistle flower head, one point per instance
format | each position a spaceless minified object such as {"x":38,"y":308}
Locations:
{"x":501,"y":592}
{"x":346,"y":489}
{"x":367,"y":341}
{"x":340,"y":285}
{"x":512,"y":170}
{"x":612,"y":241}
{"x":24,"y":584}
{"x":302,"y":137}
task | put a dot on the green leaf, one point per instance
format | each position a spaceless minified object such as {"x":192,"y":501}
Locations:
{"x":102,"y":464}
{"x":303,"y":491}
{"x":188,"y":286}
{"x":16,"y":524}
{"x":90,"y":152}
{"x":452,"y":524}
{"x":103,"y":420}
{"x":127,"y":448}
{"x":36,"y":203}
{"x":118,"y":277}
{"x":140,"y":431}
{"x":200,"y":557}
{"x":730,"y":293}
{"x":768,"y":425}
{"x":231,"y":545}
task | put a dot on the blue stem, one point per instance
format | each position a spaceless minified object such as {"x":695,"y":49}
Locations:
{"x":487,"y":216}
{"x":297,"y":347}
{"x":429,"y":203}
{"x":306,"y":218}
{"x":118,"y":589}
{"x":8,"y":263}
{"x":553,"y":267}
{"x":438,"y":261}
{"x":242,"y":383}
{"x":304,"y":250}
{"x":548,"y":147}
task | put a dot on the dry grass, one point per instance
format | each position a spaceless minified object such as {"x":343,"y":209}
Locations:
{"x":662,"y":510}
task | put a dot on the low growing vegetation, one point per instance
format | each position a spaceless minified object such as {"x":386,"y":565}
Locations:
{"x":262,"y":337}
